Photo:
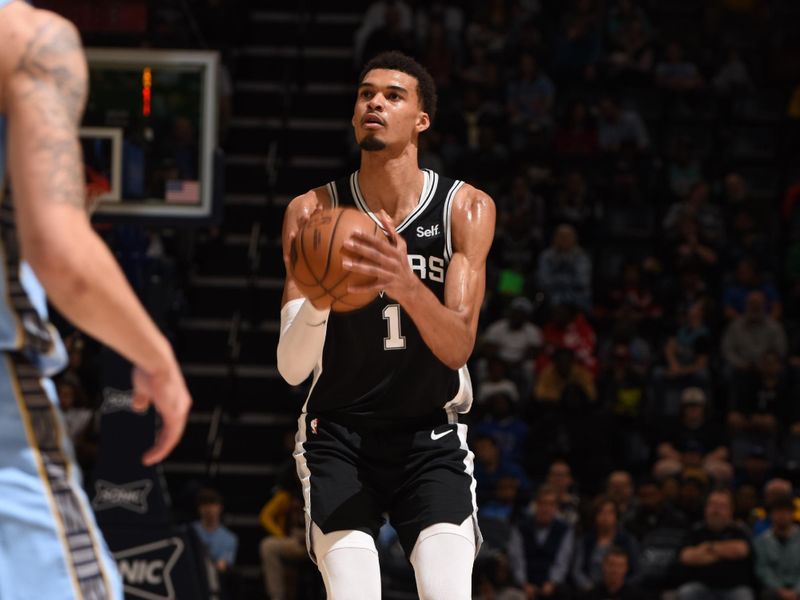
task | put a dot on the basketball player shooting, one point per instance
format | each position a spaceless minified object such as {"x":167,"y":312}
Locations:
{"x":50,"y":546}
{"x":379,"y":432}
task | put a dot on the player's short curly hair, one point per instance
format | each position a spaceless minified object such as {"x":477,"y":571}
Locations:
{"x":397,"y":61}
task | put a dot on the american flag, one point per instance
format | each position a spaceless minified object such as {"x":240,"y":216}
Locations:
{"x":183,"y":191}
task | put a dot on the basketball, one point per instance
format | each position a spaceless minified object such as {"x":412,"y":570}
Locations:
{"x":316,"y":258}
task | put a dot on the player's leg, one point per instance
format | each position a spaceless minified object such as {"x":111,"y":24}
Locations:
{"x":348,"y":562}
{"x":50,"y":546}
{"x":434,"y":514}
{"x":342,"y":513}
{"x":442,"y":559}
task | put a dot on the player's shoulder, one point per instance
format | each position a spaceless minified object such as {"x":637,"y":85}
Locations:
{"x":313,"y":198}
{"x":473,"y":205}
{"x":24,"y":27}
{"x":302,"y":206}
{"x":34,"y":41}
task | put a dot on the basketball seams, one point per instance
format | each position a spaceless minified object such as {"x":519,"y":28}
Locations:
{"x":330,"y":248}
{"x":337,"y":292}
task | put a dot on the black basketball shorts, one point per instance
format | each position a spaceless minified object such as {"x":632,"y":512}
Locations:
{"x":418,"y":477}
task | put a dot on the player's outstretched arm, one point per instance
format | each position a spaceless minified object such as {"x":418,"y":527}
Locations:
{"x":44,"y":76}
{"x":448,"y":329}
{"x":302,"y":324}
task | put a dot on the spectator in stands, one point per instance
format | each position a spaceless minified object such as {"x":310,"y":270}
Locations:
{"x":592,"y":547}
{"x":691,"y":248}
{"x":716,"y":556}
{"x":619,"y":487}
{"x":565,"y":270}
{"x":617,"y":127}
{"x":439,"y":56}
{"x":732,"y":77}
{"x":691,"y":494}
{"x":521,"y":207}
{"x":777,"y":553}
{"x":687,"y":352}
{"x":694,"y":443}
{"x":633,"y":298}
{"x":568,"y":328}
{"x":684,"y":169}
{"x":575,"y":204}
{"x":750,"y":336}
{"x":480,"y":71}
{"x":545,"y":545}
{"x":220,"y":542}
{"x":622,"y":390}
{"x":576,"y":134}
{"x":376,"y":18}
{"x":697,"y":208}
{"x":579,"y":43}
{"x":505,"y":427}
{"x":529,"y":101}
{"x":748,"y":279}
{"x":626,"y":334}
{"x":631,"y":38}
{"x":774,"y":489}
{"x":749,"y":237}
{"x":658,"y":528}
{"x":515,"y":341}
{"x":491,"y":468}
{"x":762,"y":405}
{"x":494,"y":379}
{"x":559,"y":479}
{"x":564,"y":377}
{"x":285,"y":545}
{"x":615,"y":584}
{"x":676,"y":74}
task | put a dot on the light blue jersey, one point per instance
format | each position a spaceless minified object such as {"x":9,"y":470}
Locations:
{"x":50,"y":545}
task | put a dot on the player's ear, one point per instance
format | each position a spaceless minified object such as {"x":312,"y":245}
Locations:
{"x":423,"y":122}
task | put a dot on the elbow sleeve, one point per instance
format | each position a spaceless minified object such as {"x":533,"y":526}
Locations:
{"x":302,"y":336}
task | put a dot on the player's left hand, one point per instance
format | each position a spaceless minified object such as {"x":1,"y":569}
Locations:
{"x":383,"y":257}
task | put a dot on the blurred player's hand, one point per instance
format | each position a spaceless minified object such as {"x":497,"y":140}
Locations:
{"x":166,"y":390}
{"x":386,"y":259}
{"x":292,"y":229}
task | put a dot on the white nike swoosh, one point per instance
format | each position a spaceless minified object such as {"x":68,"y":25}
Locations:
{"x":436,"y":436}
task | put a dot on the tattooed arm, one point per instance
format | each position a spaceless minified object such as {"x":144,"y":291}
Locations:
{"x":43,"y":79}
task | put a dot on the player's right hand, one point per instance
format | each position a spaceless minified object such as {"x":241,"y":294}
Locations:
{"x":166,"y":390}
{"x":303,"y":217}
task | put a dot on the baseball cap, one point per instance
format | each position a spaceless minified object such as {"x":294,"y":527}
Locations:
{"x":693,"y":395}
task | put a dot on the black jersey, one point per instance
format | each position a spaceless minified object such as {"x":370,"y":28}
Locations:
{"x":375,"y":369}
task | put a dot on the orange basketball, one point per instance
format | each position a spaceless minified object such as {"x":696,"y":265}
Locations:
{"x":316,"y":258}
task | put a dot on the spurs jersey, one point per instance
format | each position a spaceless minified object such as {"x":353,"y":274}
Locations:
{"x":375,"y":369}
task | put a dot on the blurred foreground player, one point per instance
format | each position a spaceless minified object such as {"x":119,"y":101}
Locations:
{"x":379,"y":432}
{"x":50,"y":546}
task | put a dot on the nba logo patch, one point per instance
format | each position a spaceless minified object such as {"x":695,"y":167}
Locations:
{"x":314,"y":423}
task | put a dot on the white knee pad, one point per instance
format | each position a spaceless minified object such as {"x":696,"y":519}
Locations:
{"x":442,"y":559}
{"x":348,"y":562}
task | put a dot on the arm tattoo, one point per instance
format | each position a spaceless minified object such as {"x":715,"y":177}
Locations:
{"x":55,"y":88}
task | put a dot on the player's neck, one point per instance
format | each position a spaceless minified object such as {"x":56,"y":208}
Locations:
{"x":391,"y":183}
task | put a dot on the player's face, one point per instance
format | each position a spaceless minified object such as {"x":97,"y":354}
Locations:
{"x":388,"y":112}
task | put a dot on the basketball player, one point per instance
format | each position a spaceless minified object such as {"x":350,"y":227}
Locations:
{"x":379,"y":432}
{"x":50,"y":546}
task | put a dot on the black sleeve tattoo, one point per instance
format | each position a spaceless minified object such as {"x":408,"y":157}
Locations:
{"x":56,"y":90}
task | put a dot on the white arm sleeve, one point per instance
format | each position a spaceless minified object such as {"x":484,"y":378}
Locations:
{"x":302,"y":336}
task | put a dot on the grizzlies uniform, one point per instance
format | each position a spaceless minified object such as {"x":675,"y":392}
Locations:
{"x":50,"y":546}
{"x":379,"y":432}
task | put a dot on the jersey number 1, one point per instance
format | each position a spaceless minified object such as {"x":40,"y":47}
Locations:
{"x":394,"y":341}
